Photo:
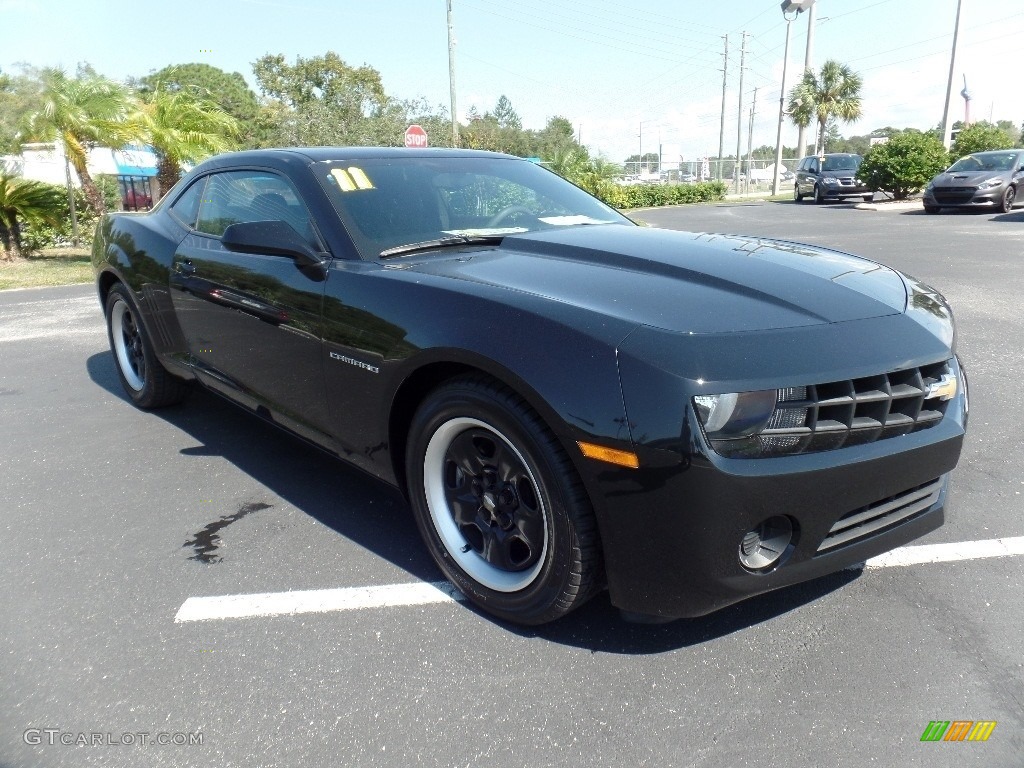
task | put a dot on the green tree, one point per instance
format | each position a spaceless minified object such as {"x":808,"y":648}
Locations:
{"x":980,"y":137}
{"x":24,"y":202}
{"x":904,"y":164}
{"x":84,"y":111}
{"x":506,"y":116}
{"x":226,"y":89}
{"x":353,"y":92}
{"x":831,"y":94}
{"x":182,"y":127}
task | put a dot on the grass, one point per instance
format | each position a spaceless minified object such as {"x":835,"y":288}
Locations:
{"x":52,"y":266}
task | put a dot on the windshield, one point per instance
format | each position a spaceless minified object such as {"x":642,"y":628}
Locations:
{"x":842,"y":163}
{"x":387,"y":203}
{"x":1002,"y":161}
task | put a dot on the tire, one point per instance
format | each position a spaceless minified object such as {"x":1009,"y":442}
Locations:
{"x":869,"y":198}
{"x":144,"y":379}
{"x":796,"y":193}
{"x":499,"y":505}
{"x":932,"y":209}
{"x":819,"y":198}
{"x":1006,"y":202}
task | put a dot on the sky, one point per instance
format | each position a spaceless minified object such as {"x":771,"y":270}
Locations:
{"x":628,"y":75}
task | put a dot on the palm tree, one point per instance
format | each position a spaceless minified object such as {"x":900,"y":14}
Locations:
{"x":81,"y":112}
{"x":182,"y":127}
{"x":832,"y":93}
{"x":25,"y":202}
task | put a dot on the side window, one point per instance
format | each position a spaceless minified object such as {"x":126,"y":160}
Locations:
{"x":186,"y":207}
{"x":242,"y":196}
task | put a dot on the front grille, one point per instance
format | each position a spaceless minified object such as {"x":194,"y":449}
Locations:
{"x":823,"y":417}
{"x":954,"y":194}
{"x":874,"y":518}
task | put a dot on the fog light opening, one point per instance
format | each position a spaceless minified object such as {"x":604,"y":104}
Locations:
{"x":765,"y":546}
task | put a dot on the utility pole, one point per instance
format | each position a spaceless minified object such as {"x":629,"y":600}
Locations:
{"x":801,"y":140}
{"x":739,"y":116}
{"x":721,"y":130}
{"x":750,"y":139}
{"x":451,"y":75}
{"x":947,"y":126}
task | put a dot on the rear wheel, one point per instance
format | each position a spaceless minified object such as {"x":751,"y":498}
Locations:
{"x":1006,"y":203}
{"x":144,"y":379}
{"x":499,"y":504}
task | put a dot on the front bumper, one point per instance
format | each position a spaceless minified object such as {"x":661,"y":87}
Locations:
{"x":686,"y":528}
{"x":988,"y":198}
{"x":672,"y":529}
{"x":844,"y":190}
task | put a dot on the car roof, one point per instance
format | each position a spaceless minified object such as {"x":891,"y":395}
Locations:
{"x":329,"y":154}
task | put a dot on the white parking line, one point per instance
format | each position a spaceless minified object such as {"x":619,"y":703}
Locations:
{"x":948,"y":553}
{"x":316,"y":601}
{"x":425,"y":593}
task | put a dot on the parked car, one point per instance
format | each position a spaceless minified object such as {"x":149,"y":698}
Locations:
{"x":830,"y":177}
{"x":569,"y":401}
{"x":981,"y":180}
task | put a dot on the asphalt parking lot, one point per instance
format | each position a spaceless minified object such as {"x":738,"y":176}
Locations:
{"x":113,"y":519}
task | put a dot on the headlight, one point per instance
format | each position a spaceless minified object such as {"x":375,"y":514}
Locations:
{"x":830,"y":180}
{"x":735,"y":414}
{"x":990,"y":183}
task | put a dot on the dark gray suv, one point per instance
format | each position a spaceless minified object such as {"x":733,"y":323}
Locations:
{"x":830,"y":177}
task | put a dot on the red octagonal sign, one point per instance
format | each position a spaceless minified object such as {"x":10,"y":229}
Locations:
{"x":415,"y":136}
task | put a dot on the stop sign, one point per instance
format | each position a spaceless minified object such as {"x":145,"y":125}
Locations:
{"x":415,"y":136}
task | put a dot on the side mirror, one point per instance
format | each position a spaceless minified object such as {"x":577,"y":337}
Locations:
{"x":270,"y":238}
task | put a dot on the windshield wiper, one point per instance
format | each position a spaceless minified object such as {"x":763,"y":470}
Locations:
{"x":442,"y":242}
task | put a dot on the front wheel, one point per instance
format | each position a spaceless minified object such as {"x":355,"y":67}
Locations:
{"x":932,"y":209}
{"x":1006,"y":202}
{"x":796,"y":193}
{"x":869,"y":198}
{"x":144,"y":379}
{"x":499,"y":504}
{"x":819,"y":197}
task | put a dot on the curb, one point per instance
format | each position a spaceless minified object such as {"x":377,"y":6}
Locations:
{"x":887,"y":206}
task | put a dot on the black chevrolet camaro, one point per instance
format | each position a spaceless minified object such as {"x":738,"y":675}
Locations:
{"x":570,"y":402}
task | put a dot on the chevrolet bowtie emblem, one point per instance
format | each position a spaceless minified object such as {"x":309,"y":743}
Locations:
{"x":944,"y":388}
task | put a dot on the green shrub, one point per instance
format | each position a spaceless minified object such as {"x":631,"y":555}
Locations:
{"x":980,"y":137}
{"x":654,"y":195}
{"x":39,"y":236}
{"x":904,"y":164}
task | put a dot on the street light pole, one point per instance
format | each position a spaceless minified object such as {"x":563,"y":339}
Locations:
{"x":947,"y":126}
{"x":801,"y":141}
{"x":782,"y":103}
{"x":790,"y":10}
{"x":451,"y":75}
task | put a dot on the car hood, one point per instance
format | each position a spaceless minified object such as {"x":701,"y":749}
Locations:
{"x":684,"y":282}
{"x":966,"y":178}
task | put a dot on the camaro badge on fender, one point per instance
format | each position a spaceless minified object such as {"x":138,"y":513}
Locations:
{"x":367,"y":366}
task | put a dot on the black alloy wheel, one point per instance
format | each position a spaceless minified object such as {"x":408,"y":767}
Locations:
{"x":1006,"y":202}
{"x":499,"y":505}
{"x":144,"y":379}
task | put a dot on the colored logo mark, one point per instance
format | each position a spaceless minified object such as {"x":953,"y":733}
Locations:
{"x":958,"y":730}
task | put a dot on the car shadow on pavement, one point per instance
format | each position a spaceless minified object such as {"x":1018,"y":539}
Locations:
{"x":375,"y":516}
{"x":599,"y":628}
{"x":359,"y":507}
{"x":1016,"y":217}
